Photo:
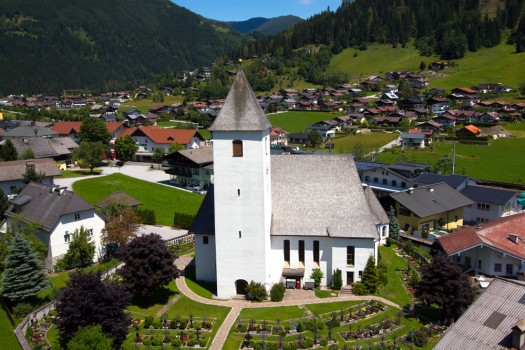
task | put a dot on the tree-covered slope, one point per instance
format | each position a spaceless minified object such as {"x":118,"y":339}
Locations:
{"x":52,"y":45}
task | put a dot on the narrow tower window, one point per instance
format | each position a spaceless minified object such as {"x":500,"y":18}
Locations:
{"x":237,"y":148}
{"x":287,"y":251}
{"x":316,"y":252}
{"x":240,"y":235}
{"x":301,"y":252}
{"x":238,"y":192}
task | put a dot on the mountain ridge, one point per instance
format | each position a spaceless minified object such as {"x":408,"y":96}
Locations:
{"x":268,"y":26}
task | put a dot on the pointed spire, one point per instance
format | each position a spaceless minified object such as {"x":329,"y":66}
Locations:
{"x":241,"y":111}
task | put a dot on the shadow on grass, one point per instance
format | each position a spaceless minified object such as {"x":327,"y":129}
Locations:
{"x":160,"y":296}
{"x":189,"y":273}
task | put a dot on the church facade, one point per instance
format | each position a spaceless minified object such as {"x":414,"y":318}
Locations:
{"x":273,"y":219}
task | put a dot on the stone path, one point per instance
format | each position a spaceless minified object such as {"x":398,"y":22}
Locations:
{"x":237,"y":306}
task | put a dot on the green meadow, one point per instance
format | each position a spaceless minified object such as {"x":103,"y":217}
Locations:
{"x":297,"y":121}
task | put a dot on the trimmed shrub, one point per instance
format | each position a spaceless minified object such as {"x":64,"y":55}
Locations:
{"x":157,"y":324}
{"x":358,"y":288}
{"x":183,"y":220}
{"x":277,"y":292}
{"x":157,"y":341}
{"x":148,"y":321}
{"x":22,"y":309}
{"x":202,"y":343}
{"x":420,"y":338}
{"x":147,"y":216}
{"x":323,"y":341}
{"x":183,"y":323}
{"x":176,"y":343}
{"x":191,"y":343}
{"x":147,"y":342}
{"x":337,"y":280}
{"x":256,"y":291}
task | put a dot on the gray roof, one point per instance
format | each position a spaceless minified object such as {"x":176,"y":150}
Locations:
{"x":488,"y":322}
{"x":319,"y":195}
{"x":29,"y":131}
{"x":199,"y":155}
{"x":376,"y":209}
{"x":47,"y":206}
{"x":482,"y":194}
{"x":430,"y":200}
{"x":14,"y":170}
{"x":241,"y":111}
{"x":66,"y":142}
{"x":42,"y":147}
{"x":204,"y":222}
{"x":454,"y":181}
{"x":118,"y":197}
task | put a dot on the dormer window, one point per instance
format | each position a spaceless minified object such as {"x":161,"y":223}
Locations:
{"x":237,"y":148}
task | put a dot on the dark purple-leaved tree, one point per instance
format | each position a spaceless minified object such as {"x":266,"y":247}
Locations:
{"x":443,"y":283}
{"x":88,"y":301}
{"x":148,"y":264}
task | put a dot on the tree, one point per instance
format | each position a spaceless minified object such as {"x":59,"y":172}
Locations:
{"x":157,"y":156}
{"x":371,"y":276}
{"x":443,"y":283}
{"x":125,"y":148}
{"x":148,"y":264}
{"x":90,"y":154}
{"x":94,"y":130}
{"x":31,"y":175}
{"x":522,"y":89}
{"x":393,"y":224}
{"x":121,"y":227}
{"x":28,"y":154}
{"x":422,"y":66}
{"x":88,"y":301}
{"x":90,"y":338}
{"x":317,"y":275}
{"x":4,"y":203}
{"x":8,"y":151}
{"x":337,"y":280}
{"x":174,"y":147}
{"x":80,"y":251}
{"x":24,"y":274}
{"x":313,"y":139}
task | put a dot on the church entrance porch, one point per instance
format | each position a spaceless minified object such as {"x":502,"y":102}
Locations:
{"x":240,"y":286}
{"x":293,"y":277}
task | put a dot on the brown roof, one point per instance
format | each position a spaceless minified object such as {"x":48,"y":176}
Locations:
{"x":493,"y":233}
{"x":14,"y":170}
{"x":161,"y":135}
{"x":118,"y":197}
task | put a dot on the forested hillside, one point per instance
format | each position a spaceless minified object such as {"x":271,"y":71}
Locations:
{"x":444,"y":27}
{"x":268,"y":26}
{"x":52,"y":45}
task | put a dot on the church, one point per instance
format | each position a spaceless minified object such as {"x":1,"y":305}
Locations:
{"x":275,"y":218}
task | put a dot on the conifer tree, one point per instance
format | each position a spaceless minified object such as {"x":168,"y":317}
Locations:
{"x":80,"y":251}
{"x":8,"y":151}
{"x":24,"y":272}
{"x":371,"y":276}
{"x":393,"y":223}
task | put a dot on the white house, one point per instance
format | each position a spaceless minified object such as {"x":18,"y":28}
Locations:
{"x":270,"y":218}
{"x":412,"y":140}
{"x":495,"y":248}
{"x":490,"y":203}
{"x":12,"y":173}
{"x":58,"y":213}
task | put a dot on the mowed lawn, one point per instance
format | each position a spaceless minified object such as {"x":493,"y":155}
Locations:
{"x":165,"y":201}
{"x":297,"y":121}
{"x":8,"y":340}
{"x":503,"y":160}
{"x":368,"y":142}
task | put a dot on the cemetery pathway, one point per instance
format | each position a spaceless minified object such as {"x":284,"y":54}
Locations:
{"x":237,"y":306}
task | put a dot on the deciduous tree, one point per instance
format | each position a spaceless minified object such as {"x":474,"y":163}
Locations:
{"x":90,"y":338}
{"x":24,"y":274}
{"x":125,"y":147}
{"x":148,"y":264}
{"x":121,"y":227}
{"x":90,"y":154}
{"x":87,"y":301}
{"x":80,"y":251}
{"x":313,"y":139}
{"x":444,"y":284}
{"x":157,"y":156}
{"x":94,"y":130}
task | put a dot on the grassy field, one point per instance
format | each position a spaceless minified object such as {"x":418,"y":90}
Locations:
{"x":297,"y":121}
{"x":165,"y":201}
{"x":79,"y":173}
{"x":501,"y":161}
{"x":394,"y":290}
{"x":272,"y":313}
{"x":368,"y":142}
{"x":496,"y":64}
{"x":8,"y":340}
{"x":145,"y":104}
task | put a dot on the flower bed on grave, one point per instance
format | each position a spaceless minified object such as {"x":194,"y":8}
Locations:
{"x":306,"y":332}
{"x":37,"y":331}
{"x":379,"y":329}
{"x":179,"y":332}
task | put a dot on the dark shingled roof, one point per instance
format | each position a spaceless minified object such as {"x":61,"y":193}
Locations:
{"x":241,"y":111}
{"x":482,"y":194}
{"x":15,"y":170}
{"x":488,"y":322}
{"x":47,"y":206}
{"x":118,"y":197}
{"x":454,"y":181}
{"x":204,"y":222}
{"x":430,"y":200}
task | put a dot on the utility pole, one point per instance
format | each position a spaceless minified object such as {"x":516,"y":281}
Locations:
{"x":453,"y":158}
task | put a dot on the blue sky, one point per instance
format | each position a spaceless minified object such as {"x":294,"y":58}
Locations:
{"x":241,"y":10}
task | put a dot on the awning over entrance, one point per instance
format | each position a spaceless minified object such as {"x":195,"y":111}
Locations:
{"x":287,"y":272}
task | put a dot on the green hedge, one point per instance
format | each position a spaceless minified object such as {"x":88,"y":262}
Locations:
{"x":183,"y":220}
{"x":474,"y":142}
{"x":147,"y":216}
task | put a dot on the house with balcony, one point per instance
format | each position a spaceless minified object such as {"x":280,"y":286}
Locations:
{"x":436,"y":206}
{"x":489,"y":204}
{"x":413,"y":140}
{"x":191,"y":167}
{"x":495,"y":248}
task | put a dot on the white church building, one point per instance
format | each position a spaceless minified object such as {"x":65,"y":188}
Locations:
{"x":274,"y":218}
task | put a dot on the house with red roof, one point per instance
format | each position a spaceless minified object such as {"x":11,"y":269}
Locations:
{"x":469,"y":131}
{"x":495,"y":248}
{"x":278,"y":136}
{"x":71,"y":129}
{"x":149,"y":138}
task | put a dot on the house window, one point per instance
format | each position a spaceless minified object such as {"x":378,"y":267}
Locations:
{"x":394,"y":183}
{"x":301,"y":252}
{"x":468,"y":261}
{"x":360,"y":274}
{"x":483,"y":206}
{"x":67,"y":237}
{"x":350,"y":255}
{"x":479,"y":264}
{"x":90,"y":232}
{"x":367,"y":178}
{"x":403,"y":184}
{"x":77,"y":216}
{"x":404,"y":211}
{"x":497,"y":267}
{"x":287,"y":251}
{"x":205,"y":239}
{"x":237,"y":148}
{"x":316,"y":252}
{"x":376,"y":180}
{"x":509,"y":269}
{"x":385,"y":182}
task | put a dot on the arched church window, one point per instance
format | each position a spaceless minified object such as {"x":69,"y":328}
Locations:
{"x":237,"y":148}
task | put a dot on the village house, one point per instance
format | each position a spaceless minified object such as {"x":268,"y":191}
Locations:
{"x":12,"y":173}
{"x":191,"y":167}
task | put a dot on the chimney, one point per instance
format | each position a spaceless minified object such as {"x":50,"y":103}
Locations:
{"x":518,"y":335}
{"x":411,"y":190}
{"x":430,"y":189}
{"x":514,"y":238}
